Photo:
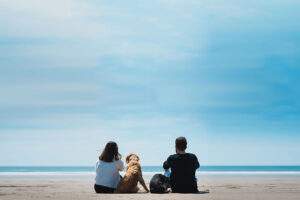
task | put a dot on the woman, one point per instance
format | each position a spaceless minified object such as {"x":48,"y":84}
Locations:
{"x":107,"y":169}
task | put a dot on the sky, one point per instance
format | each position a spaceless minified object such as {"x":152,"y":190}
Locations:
{"x":75,"y":74}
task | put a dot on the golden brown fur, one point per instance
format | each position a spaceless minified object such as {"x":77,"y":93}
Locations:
{"x":133,"y":175}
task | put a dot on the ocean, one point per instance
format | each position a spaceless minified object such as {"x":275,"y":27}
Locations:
{"x":152,"y":169}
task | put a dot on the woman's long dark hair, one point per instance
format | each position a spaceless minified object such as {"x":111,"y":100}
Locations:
{"x":110,"y":152}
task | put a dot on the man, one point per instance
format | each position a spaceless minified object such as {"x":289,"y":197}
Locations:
{"x":183,"y":168}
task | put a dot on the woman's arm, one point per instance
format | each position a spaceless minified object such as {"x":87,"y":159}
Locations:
{"x":97,"y":166}
{"x":120,"y":165}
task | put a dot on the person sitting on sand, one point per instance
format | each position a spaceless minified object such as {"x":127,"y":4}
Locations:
{"x":107,"y":169}
{"x":183,"y":168}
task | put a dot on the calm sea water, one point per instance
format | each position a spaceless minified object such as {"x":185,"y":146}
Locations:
{"x":24,"y":169}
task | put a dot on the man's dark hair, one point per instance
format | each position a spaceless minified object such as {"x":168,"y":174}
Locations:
{"x":181,"y":143}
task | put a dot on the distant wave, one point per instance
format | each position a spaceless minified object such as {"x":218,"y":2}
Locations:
{"x":152,"y":173}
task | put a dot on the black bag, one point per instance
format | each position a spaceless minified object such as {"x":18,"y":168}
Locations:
{"x":159,"y":184}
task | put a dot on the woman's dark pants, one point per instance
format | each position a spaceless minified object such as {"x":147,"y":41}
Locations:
{"x":103,"y":189}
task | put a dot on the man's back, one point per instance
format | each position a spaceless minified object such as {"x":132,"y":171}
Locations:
{"x":183,"y":168}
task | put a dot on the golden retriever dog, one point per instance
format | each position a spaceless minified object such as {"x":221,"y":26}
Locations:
{"x":133,"y":175}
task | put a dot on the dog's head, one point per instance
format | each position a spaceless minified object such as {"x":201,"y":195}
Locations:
{"x":132,"y":158}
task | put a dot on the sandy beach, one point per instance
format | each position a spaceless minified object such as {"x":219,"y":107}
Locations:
{"x":80,"y":186}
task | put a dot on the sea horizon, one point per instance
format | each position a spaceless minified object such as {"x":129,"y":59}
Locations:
{"x":205,"y":169}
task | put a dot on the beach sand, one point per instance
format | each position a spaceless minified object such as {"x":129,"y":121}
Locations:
{"x":228,"y":187}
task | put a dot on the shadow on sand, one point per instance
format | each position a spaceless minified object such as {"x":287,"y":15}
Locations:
{"x":203,"y":192}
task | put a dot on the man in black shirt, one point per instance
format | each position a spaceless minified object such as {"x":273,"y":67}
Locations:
{"x":183,"y":168}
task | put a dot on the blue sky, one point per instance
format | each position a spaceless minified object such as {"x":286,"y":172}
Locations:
{"x":75,"y":74}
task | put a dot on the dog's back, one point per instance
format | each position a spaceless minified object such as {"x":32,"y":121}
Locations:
{"x":133,"y":175}
{"x":159,"y":184}
{"x":129,"y":182}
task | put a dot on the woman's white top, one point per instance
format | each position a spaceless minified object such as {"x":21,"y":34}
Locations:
{"x":107,"y":173}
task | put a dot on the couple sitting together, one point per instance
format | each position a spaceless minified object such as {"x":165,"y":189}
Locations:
{"x":181,"y":180}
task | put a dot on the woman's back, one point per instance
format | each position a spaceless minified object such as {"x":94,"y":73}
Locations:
{"x":107,"y":173}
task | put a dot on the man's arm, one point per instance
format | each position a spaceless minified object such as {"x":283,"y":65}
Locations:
{"x":167,"y":164}
{"x":197,"y":165}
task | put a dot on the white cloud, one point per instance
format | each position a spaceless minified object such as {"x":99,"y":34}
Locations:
{"x":64,"y":94}
{"x":54,"y":9}
{"x":150,"y":137}
{"x":38,"y":18}
{"x":95,"y":30}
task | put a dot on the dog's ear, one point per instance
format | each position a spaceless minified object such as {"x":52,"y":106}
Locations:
{"x":128,"y":157}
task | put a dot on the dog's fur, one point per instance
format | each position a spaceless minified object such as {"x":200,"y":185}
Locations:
{"x":159,"y":184}
{"x":133,"y":175}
